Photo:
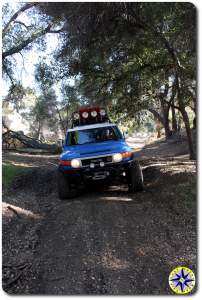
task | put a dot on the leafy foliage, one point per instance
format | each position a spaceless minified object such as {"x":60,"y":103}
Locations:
{"x":121,"y":50}
{"x":119,"y":55}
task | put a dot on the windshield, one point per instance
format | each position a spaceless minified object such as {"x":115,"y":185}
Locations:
{"x":94,"y":135}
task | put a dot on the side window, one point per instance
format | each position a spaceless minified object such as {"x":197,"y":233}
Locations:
{"x":72,"y":138}
{"x":111,"y":134}
{"x":117,"y":132}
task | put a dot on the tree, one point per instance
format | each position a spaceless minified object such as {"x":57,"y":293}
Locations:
{"x":17,"y":36}
{"x":121,"y":49}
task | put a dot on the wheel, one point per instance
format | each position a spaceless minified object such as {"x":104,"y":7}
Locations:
{"x":135,"y":178}
{"x":64,"y":189}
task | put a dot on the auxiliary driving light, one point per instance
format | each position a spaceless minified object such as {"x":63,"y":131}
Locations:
{"x":75,"y":163}
{"x":117,"y":157}
{"x":85,"y":114}
{"x":93,"y":113}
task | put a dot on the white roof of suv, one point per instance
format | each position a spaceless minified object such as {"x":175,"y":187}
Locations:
{"x":91,"y":126}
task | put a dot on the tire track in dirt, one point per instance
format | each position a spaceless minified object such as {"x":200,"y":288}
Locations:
{"x":107,"y":241}
{"x":98,"y":246}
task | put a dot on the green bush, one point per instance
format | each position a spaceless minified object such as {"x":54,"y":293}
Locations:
{"x":10,"y":172}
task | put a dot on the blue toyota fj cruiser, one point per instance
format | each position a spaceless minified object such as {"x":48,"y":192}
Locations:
{"x":95,"y":149}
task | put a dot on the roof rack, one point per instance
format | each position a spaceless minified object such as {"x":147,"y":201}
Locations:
{"x":89,"y":115}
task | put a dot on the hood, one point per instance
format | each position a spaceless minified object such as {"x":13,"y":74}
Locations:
{"x":101,"y":148}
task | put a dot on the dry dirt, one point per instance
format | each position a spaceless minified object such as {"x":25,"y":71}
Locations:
{"x":105,"y":241}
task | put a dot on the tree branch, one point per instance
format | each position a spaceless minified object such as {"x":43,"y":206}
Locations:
{"x":56,"y":31}
{"x":21,"y":23}
{"x":171,"y":104}
{"x":14,"y":17}
{"x":25,"y":43}
{"x":156,"y":115}
{"x":7,"y":72}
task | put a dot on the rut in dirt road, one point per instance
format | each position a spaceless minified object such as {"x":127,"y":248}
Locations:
{"x":90,"y":247}
{"x":106,"y":241}
{"x":112,"y":242}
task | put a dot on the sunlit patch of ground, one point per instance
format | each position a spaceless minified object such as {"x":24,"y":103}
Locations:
{"x":110,"y":261}
{"x":32,"y":160}
{"x":115,"y":198}
{"x":108,"y":234}
{"x":9,"y":210}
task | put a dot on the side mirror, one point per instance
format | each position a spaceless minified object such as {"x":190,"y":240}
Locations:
{"x":62,"y":143}
{"x":125,"y":134}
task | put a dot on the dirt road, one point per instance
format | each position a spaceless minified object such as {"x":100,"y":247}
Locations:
{"x":106,"y":241}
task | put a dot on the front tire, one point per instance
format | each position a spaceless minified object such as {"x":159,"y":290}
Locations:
{"x":135,"y":178}
{"x":64,"y":189}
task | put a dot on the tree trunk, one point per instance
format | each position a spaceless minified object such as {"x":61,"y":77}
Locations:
{"x":194,"y":123}
{"x":168,"y":132}
{"x":185,"y":117}
{"x":38,"y":131}
{"x":165,"y":111}
{"x":156,"y":115}
{"x":61,"y":121}
{"x":27,"y":141}
{"x":163,"y":120}
{"x":174,"y":120}
{"x":158,"y":129}
{"x":188,"y":131}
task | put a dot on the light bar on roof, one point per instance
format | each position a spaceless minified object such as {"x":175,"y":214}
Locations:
{"x":76,"y":116}
{"x":85,"y":114}
{"x":94,"y":113}
{"x":102,"y":112}
{"x":89,"y":115}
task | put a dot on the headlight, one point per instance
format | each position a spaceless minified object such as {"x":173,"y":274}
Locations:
{"x":75,"y":163}
{"x":117,"y":157}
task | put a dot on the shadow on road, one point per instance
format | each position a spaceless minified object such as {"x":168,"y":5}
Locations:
{"x":105,"y":241}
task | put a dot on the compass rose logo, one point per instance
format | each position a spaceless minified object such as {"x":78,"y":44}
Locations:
{"x":182,"y":280}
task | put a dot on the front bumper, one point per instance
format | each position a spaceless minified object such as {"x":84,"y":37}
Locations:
{"x":112,"y":172}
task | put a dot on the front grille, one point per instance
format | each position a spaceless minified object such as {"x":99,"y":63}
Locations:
{"x":106,"y":159}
